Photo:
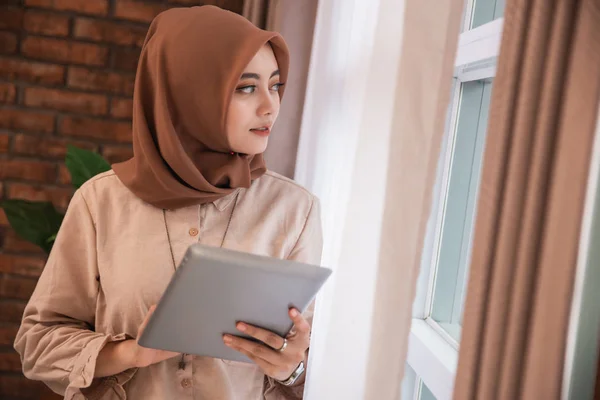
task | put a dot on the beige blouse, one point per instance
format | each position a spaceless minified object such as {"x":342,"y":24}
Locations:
{"x":111,"y":261}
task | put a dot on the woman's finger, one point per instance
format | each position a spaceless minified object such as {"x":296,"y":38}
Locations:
{"x":291,"y":356}
{"x":301,"y":326}
{"x":275,"y":371}
{"x":257,"y":350}
{"x":269,"y":338}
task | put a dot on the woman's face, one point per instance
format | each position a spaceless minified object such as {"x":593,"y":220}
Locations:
{"x":255,"y":104}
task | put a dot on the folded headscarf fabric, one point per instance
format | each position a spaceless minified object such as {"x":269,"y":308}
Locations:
{"x":191,"y":61}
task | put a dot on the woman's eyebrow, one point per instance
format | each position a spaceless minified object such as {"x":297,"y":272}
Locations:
{"x":252,"y":75}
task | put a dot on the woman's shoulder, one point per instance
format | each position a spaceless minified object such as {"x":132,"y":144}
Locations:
{"x":274,"y":185}
{"x":105,"y":181}
{"x":106,"y":188}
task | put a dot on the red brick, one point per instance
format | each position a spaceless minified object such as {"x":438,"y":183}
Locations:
{"x":46,"y":23}
{"x":60,"y":197}
{"x":3,"y":219}
{"x":11,"y":311}
{"x":11,"y":19}
{"x":121,"y":108}
{"x":8,"y":92}
{"x":4,"y":144}
{"x":64,"y":177}
{"x":63,"y":100}
{"x":191,"y":2}
{"x":96,"y":7}
{"x":107,"y":31}
{"x":16,"y":287}
{"x":64,"y":51}
{"x":35,"y":171}
{"x":26,"y":121}
{"x":138,"y":10}
{"x":46,"y":146}
{"x":96,"y":128}
{"x":112,"y":82}
{"x":10,"y":361}
{"x":115,"y":154}
{"x":8,"y":43}
{"x":14,"y":243}
{"x":126,"y":59}
{"x":19,"y":387}
{"x":237,"y":6}
{"x":7,"y":335}
{"x":12,"y":69}
{"x":22,"y":265}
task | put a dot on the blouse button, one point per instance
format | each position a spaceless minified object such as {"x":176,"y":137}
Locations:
{"x":186,"y":383}
{"x":193,"y":231}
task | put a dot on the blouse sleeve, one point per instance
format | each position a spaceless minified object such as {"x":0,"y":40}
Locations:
{"x":308,"y":249}
{"x":56,"y":341}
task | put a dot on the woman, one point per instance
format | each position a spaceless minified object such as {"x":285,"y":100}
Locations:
{"x":207,"y":92}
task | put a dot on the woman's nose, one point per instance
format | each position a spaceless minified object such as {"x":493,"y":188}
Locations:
{"x":268,"y":104}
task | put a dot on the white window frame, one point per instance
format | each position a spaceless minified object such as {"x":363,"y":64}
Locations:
{"x":582,"y":348}
{"x":432,"y":352}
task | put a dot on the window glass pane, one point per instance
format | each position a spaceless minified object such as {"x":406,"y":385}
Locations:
{"x":459,"y":205}
{"x":425,"y":393}
{"x":485,"y":11}
{"x":409,"y":386}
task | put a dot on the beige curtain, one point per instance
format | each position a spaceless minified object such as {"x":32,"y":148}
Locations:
{"x":422,"y":88}
{"x":261,"y":13}
{"x":540,"y":134}
{"x":295,"y":20}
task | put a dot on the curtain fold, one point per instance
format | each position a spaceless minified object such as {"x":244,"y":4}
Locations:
{"x":414,"y":149}
{"x":536,"y":162}
{"x":258,"y":11}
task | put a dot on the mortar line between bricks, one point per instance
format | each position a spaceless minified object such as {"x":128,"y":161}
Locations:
{"x":66,"y":89}
{"x":69,"y":89}
{"x":74,"y":139}
{"x":76,"y":39}
{"x":96,"y":17}
{"x":93,"y":68}
{"x":77,"y":140}
{"x":23,"y":57}
{"x":71,"y":27}
{"x":46,"y":160}
{"x":77,"y":114}
{"x":28,"y":182}
{"x":43,"y":185}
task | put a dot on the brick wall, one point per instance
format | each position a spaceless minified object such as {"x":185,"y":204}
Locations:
{"x":66,"y":77}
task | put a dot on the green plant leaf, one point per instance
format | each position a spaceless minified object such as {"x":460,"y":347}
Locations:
{"x":36,"y":222}
{"x":84,"y":164}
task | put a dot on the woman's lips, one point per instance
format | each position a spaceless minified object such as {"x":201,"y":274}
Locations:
{"x":265,"y":131}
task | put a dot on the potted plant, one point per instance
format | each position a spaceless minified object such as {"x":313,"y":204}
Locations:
{"x":38,"y":222}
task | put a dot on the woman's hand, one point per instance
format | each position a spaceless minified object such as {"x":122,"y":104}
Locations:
{"x":117,"y":357}
{"x":277,"y":364}
{"x":143,"y":356}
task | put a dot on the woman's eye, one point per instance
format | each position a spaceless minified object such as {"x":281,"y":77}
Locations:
{"x":276,"y":87}
{"x":247,"y":89}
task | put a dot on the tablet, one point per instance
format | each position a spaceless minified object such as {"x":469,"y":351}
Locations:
{"x":214,"y":288}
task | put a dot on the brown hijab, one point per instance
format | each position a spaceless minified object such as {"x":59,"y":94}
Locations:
{"x":190,"y":62}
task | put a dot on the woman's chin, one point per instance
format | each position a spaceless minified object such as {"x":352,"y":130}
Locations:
{"x":257,"y":147}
